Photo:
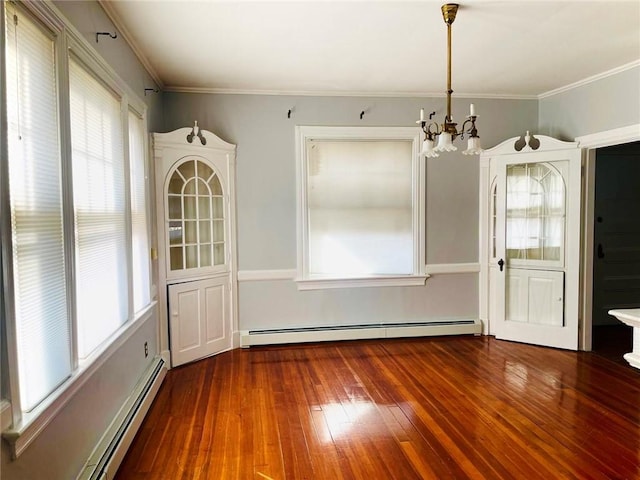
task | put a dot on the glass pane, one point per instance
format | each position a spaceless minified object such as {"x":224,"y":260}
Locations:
{"x":176,"y":258}
{"x":204,"y":171}
{"x":218,"y":254}
{"x":218,"y":209}
{"x":187,"y":169}
{"x":494,"y":196}
{"x":203,"y":188}
{"x":204,"y":205}
{"x":535,"y":212}
{"x":175,"y":208}
{"x":175,"y":233}
{"x":191,"y":232}
{"x":205,"y":255}
{"x":175,"y":184}
{"x":190,"y":187}
{"x":218,"y":230}
{"x":360,"y":207}
{"x":190,"y":207}
{"x":192,"y":256}
{"x":205,"y":232}
{"x":216,"y":188}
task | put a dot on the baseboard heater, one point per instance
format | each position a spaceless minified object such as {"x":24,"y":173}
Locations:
{"x":250,"y":338}
{"x":108,"y":454}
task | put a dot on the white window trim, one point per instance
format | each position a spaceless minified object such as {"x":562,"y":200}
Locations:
{"x":306,"y":133}
{"x":26,"y":426}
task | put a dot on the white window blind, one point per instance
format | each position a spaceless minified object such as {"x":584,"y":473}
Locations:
{"x":139,"y":232}
{"x":360,"y":208}
{"x":42,"y":322}
{"x":99,"y":209}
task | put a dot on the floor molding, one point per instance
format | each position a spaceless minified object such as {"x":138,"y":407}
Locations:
{"x":112,"y":447}
{"x":250,"y":338}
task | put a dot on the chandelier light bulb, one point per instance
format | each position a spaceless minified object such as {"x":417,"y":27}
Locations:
{"x":445,"y":143}
{"x":427,"y":149}
{"x":473,"y":147}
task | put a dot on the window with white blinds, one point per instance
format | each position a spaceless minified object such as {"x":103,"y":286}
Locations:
{"x":139,"y":230}
{"x":360,"y":207}
{"x":361,"y":195}
{"x":78,"y":274}
{"x":99,"y":198}
{"x":42,"y":328}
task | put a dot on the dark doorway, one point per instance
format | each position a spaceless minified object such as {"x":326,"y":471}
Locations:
{"x":616,"y":261}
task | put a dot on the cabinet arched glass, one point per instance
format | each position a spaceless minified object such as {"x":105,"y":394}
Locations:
{"x":196,"y":220}
{"x":535,"y":211}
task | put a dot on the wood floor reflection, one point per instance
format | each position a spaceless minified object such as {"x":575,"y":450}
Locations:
{"x":435,"y":408}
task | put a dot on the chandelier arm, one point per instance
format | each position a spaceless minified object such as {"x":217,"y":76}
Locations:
{"x":464,"y":125}
{"x":426,"y":128}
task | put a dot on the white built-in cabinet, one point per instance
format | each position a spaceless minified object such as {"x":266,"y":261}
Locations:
{"x":195,"y":190}
{"x":530,"y":192}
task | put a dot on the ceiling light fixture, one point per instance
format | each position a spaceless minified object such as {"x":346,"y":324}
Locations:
{"x":447,"y":132}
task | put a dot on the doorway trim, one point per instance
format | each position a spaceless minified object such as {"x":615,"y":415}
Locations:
{"x":590,"y":143}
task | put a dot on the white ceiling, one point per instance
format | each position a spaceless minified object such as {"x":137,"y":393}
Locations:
{"x":392,"y":48}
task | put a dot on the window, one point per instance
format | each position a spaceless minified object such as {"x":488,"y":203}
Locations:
{"x":99,"y":209}
{"x":35,"y":181}
{"x":79,"y":269}
{"x":139,"y":225}
{"x":361,"y":215}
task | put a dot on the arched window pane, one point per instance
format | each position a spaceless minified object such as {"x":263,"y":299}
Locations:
{"x":535,"y":212}
{"x":196,"y":212}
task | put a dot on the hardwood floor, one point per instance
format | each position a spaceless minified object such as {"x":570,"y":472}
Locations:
{"x":435,"y":408}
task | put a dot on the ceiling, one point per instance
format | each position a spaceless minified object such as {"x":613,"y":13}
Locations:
{"x":395,"y":48}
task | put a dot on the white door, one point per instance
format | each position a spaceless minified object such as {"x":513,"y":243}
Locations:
{"x":199,"y":319}
{"x":537,"y":245}
{"x":195,"y":173}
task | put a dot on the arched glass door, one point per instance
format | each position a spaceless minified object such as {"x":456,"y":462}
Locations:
{"x":196,"y":219}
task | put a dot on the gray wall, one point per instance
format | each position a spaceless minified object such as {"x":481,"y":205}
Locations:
{"x":266,"y":187}
{"x":605,"y":104}
{"x":61,"y":449}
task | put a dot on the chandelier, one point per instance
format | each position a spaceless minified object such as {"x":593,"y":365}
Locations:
{"x":447,"y":132}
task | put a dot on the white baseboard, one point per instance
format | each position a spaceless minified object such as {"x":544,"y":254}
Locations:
{"x":108,"y":454}
{"x":357,"y":332}
{"x":166,"y":356}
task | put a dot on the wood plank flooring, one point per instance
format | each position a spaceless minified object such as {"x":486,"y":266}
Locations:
{"x":435,"y":408}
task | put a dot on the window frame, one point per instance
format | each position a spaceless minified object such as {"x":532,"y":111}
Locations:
{"x":26,"y":426}
{"x":304,"y":134}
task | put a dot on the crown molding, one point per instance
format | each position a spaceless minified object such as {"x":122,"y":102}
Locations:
{"x":108,"y":8}
{"x":616,"y":136}
{"x":591,"y":79}
{"x":333,"y":93}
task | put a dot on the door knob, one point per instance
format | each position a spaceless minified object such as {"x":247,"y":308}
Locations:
{"x":600,"y":251}
{"x":501,"y":264}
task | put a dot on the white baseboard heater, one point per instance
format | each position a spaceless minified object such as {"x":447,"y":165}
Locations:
{"x":250,"y":338}
{"x":108,"y":454}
